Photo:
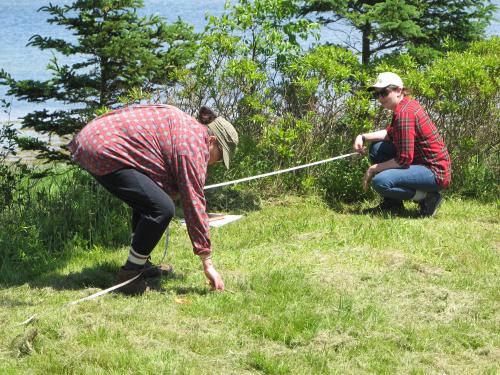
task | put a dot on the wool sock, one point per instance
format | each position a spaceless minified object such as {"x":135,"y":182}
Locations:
{"x":135,"y":260}
{"x":419,"y":195}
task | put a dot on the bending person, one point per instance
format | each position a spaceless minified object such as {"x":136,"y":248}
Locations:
{"x":409,"y":158}
{"x":146,"y":155}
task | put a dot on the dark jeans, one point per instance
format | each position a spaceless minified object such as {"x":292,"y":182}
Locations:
{"x":400,"y":184}
{"x":152,"y":207}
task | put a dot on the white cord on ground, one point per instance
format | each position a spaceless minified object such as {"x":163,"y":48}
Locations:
{"x":105,"y":291}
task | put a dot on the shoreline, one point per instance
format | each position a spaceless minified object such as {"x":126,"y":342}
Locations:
{"x":30,"y":156}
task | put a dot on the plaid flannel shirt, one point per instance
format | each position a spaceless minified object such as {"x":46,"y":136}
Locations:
{"x":417,"y":141}
{"x":160,"y":141}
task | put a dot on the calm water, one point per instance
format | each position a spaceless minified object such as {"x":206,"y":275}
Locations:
{"x":19,"y":20}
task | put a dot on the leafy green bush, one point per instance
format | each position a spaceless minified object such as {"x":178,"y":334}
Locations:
{"x":9,"y":175}
{"x":461,"y":93}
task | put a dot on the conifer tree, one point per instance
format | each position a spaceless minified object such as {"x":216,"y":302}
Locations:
{"x":114,"y":51}
{"x":420,"y":26}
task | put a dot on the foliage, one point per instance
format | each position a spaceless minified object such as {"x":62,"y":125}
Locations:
{"x":310,"y":105}
{"x":322,"y":93}
{"x":461,"y":92}
{"x":11,"y":171}
{"x":117,"y":51}
{"x":421,"y":27}
{"x":239,"y":59}
{"x":237,"y":71}
{"x":48,"y":215}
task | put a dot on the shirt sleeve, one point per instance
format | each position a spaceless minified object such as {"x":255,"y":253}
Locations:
{"x":403,"y":135}
{"x":191,"y":181}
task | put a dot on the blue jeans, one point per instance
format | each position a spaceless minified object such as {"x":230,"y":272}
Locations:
{"x":400,"y":184}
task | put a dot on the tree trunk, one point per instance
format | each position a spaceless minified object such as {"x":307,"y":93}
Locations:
{"x":365,"y":52}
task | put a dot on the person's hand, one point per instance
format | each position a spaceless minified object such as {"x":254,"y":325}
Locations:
{"x":370,"y":172}
{"x":212,"y":275}
{"x":359,"y":145}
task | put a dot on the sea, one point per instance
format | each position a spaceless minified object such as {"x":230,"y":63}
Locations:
{"x":20,"y":19}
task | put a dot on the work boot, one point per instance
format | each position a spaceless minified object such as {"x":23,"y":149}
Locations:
{"x":430,"y":204}
{"x":133,"y":288}
{"x":388,"y":205}
{"x":151,"y":270}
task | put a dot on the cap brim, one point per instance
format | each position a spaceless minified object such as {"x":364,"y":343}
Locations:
{"x":375,"y":87}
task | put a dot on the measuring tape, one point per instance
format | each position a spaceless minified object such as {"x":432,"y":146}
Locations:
{"x":278,"y":172}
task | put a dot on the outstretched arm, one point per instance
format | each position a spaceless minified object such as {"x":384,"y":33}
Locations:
{"x":191,"y":183}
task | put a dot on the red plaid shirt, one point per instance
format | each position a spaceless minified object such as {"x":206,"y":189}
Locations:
{"x":417,"y":140}
{"x":160,"y":141}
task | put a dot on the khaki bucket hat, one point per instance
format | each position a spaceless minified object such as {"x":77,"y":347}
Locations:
{"x":227,"y":136}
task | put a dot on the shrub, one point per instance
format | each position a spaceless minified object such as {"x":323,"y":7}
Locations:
{"x":461,"y":93}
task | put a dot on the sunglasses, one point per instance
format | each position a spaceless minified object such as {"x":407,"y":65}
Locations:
{"x":381,"y":93}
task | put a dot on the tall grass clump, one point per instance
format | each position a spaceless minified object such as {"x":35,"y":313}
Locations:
{"x":51,"y":216}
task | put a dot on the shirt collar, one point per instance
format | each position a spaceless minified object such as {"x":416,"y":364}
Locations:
{"x":403,"y":101}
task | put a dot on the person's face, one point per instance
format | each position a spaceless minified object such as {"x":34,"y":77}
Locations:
{"x":389,"y":98}
{"x":215,"y":150}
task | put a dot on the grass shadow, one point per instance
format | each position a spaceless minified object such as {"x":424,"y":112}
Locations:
{"x":102,"y":276}
{"x":9,"y":302}
{"x":364,"y":208}
{"x":407,"y":213}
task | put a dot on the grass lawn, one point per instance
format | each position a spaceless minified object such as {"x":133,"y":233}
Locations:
{"x":310,"y":290}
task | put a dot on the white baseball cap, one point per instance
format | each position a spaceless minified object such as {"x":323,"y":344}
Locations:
{"x":386,"y":79}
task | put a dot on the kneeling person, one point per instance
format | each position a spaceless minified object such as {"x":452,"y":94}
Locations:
{"x":409,"y":158}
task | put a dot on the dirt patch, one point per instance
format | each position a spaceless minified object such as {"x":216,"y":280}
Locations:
{"x":310,"y":236}
{"x":428,"y":270}
{"x":333,"y":340}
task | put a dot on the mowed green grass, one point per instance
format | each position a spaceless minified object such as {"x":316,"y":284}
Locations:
{"x":310,"y":290}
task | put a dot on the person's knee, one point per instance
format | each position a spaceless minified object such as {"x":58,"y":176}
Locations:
{"x":164,"y":212}
{"x":381,"y":151}
{"x":381,"y":184}
{"x":373,"y":151}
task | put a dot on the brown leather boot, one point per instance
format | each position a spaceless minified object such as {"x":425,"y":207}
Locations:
{"x":134,"y":288}
{"x":151,"y":270}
